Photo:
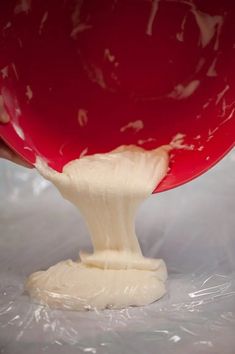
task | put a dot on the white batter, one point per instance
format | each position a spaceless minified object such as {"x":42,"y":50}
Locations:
{"x":107,"y":188}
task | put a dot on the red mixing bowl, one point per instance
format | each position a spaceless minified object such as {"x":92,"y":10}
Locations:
{"x":80,"y":77}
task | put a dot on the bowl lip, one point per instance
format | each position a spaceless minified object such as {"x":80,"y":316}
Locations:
{"x":162,"y":187}
{"x":8,"y":143}
{"x":159,"y":189}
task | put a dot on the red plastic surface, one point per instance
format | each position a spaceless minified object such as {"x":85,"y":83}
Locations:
{"x":75,"y":75}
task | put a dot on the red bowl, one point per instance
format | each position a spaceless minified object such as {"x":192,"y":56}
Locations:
{"x":80,"y":77}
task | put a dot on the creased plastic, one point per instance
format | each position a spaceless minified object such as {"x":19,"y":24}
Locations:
{"x":191,"y":228}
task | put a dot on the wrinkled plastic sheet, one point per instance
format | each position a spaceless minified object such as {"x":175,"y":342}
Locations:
{"x":191,"y":228}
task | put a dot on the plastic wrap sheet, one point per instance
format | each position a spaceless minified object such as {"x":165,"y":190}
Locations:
{"x":191,"y":228}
